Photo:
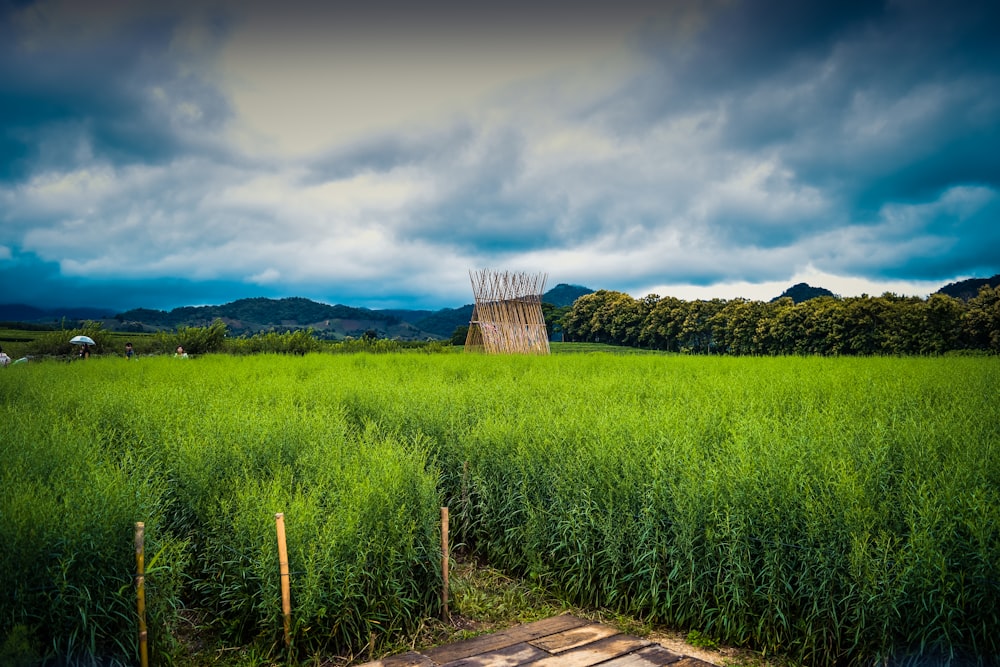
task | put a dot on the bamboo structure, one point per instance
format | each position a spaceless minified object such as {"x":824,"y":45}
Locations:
{"x":507,"y":316}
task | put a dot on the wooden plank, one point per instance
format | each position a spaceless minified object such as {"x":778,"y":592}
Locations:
{"x":518,"y":654}
{"x":408,"y":659}
{"x":574,"y":637}
{"x":595,"y":653}
{"x":499,"y":640}
{"x":651,"y":656}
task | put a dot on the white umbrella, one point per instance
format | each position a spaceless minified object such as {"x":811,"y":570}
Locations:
{"x":82,"y":340}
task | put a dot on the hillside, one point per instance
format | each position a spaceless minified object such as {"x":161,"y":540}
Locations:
{"x":261,"y":314}
{"x":803,"y":292}
{"x":968,"y":289}
{"x":564,"y":295}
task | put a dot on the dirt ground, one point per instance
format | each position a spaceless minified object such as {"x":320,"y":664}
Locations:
{"x":675,"y":642}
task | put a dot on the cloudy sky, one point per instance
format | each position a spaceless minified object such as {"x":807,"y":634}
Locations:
{"x":162,"y":154}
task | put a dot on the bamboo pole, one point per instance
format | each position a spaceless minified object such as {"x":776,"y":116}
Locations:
{"x":140,"y":590}
{"x":444,"y":564}
{"x":286,"y":601}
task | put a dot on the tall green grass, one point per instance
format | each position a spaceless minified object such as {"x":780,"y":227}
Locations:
{"x":206,"y":451}
{"x":837,"y":511}
{"x":834,"y":510}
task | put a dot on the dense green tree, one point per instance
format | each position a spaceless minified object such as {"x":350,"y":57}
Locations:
{"x":698,"y":328}
{"x":982,"y":319}
{"x":661,"y":329}
{"x":825,"y":325}
{"x":459,"y":335}
{"x":553,"y":315}
{"x":590,"y":317}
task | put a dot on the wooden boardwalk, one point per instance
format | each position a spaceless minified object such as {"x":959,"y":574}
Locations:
{"x":559,"y":641}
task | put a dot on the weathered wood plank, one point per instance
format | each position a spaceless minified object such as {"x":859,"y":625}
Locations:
{"x":574,"y":637}
{"x":592,"y":654}
{"x":408,"y":659}
{"x":518,"y":654}
{"x":499,"y":640}
{"x":651,"y":656}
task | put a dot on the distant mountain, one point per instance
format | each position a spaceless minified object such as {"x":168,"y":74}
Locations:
{"x":803,"y":292}
{"x":564,"y":295}
{"x":262,"y":314}
{"x":968,"y":289}
{"x":444,"y":322}
{"x":411,"y":316}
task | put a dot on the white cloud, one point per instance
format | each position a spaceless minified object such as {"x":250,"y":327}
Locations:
{"x":845,"y":286}
{"x":266,"y":277}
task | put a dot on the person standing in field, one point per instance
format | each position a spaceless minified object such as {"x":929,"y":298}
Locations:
{"x":129,"y":352}
{"x":180,"y":353}
{"x":85,"y":351}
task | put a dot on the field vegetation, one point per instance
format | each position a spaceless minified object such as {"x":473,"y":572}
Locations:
{"x":831,"y":510}
{"x":43,"y":343}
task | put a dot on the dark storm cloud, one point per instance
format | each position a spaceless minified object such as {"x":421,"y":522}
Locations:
{"x":871,"y":103}
{"x":32,"y":281}
{"x":123,"y":97}
{"x":384,"y":153}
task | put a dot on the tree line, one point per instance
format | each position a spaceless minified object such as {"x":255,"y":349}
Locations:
{"x":866,"y":325}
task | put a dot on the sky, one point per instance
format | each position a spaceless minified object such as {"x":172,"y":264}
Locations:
{"x":166,"y":154}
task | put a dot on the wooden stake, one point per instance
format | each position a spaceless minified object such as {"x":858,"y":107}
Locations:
{"x":140,"y":590}
{"x":444,"y":563}
{"x":286,"y":598}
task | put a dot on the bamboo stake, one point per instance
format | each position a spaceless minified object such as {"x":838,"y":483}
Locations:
{"x":286,"y":601}
{"x":444,"y":563}
{"x":140,"y":590}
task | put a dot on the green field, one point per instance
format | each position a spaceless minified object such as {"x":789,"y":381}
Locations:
{"x":835,"y":511}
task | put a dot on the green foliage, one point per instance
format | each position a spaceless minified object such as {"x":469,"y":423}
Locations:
{"x":205,"y":454}
{"x":292,"y":342}
{"x":56,"y":343}
{"x":701,"y":640}
{"x":826,"y":325}
{"x":71,"y":489}
{"x":831,"y":510}
{"x":459,"y":335}
{"x":375,"y":346}
{"x":553,"y":319}
{"x":196,"y":340}
{"x":837,"y":511}
{"x":982,"y":319}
